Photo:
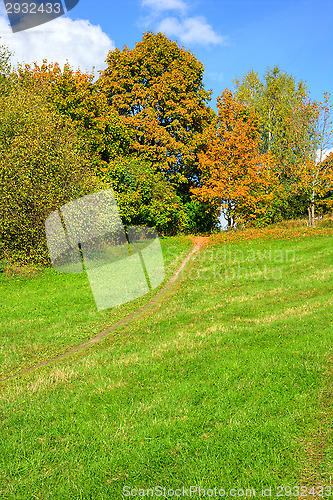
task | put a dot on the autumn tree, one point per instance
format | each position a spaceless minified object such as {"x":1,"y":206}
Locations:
{"x":313,"y":174}
{"x":43,"y":165}
{"x":75,"y":95}
{"x":144,"y":196}
{"x":157,"y":89}
{"x":276,"y":99}
{"x":235,"y":175}
{"x":5,"y":68}
{"x":324,"y":205}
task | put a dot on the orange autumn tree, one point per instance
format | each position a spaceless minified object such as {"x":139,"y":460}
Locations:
{"x":157,"y":89}
{"x":143,"y":195}
{"x":75,"y":95}
{"x":234,"y":174}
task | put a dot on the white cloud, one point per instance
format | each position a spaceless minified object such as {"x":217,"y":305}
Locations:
{"x":191,"y":30}
{"x":81,"y":43}
{"x":195,"y":30}
{"x":164,"y":4}
{"x":323,"y":155}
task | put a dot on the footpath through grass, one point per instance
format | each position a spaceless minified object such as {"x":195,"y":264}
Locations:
{"x":226,"y":385}
{"x":44,"y":312}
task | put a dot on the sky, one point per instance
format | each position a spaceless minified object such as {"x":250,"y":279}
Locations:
{"x":229,"y":37}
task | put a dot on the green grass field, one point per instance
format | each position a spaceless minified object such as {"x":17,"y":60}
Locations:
{"x":226,"y":385}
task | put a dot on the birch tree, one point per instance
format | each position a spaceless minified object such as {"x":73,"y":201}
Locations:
{"x":313,"y":175}
{"x":275,"y":98}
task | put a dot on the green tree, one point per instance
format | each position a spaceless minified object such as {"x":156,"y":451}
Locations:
{"x":164,"y":132}
{"x":313,"y":174}
{"x":5,"y":68}
{"x":144,"y":197}
{"x":274,"y":99}
{"x":277,"y":100}
{"x":43,"y":165}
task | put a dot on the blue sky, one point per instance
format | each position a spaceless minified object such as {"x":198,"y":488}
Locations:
{"x":230,"y":37}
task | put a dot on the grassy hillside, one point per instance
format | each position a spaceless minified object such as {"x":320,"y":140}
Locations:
{"x":227,"y":384}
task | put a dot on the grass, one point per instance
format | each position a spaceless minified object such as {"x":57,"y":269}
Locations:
{"x":227,"y":384}
{"x":320,"y":223}
{"x":45,"y":312}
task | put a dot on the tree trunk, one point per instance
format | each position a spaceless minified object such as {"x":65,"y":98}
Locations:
{"x":312,"y":210}
{"x":269,"y":130}
{"x":311,"y":206}
{"x":229,"y":216}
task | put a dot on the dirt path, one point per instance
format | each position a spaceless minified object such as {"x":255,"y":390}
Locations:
{"x":156,"y":301}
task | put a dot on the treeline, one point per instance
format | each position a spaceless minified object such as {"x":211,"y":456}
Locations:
{"x":145,"y":128}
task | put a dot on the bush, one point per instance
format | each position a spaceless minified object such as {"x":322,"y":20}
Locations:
{"x":144,"y":197}
{"x":43,"y":165}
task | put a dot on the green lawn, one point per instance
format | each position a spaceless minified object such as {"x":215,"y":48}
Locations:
{"x":43,"y":313}
{"x":227,"y":384}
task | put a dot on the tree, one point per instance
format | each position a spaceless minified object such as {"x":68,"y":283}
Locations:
{"x":5,"y":68}
{"x":144,"y":197}
{"x":108,"y":139}
{"x":235,"y":175}
{"x":324,"y":205}
{"x":276,"y":99}
{"x":158,"y":91}
{"x":313,"y":174}
{"x":43,"y":165}
{"x":75,"y":95}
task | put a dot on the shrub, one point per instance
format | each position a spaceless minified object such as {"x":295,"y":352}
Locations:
{"x":43,"y":165}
